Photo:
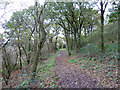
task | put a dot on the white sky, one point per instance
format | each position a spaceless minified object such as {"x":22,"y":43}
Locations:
{"x":16,"y":5}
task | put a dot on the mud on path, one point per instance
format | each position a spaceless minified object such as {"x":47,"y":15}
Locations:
{"x":70,"y":75}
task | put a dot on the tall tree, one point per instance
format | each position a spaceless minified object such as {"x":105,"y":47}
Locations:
{"x":102,"y":9}
{"x":42,"y":35}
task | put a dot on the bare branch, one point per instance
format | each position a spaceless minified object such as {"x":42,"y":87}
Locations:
{"x":105,"y":5}
{"x":98,"y":7}
{"x":104,"y":2}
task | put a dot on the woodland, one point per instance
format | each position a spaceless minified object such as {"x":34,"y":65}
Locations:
{"x":61,"y":45}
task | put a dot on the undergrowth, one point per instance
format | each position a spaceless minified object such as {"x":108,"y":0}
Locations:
{"x":46,"y":72}
{"x":92,"y":48}
{"x":101,"y":66}
{"x":44,"y":77}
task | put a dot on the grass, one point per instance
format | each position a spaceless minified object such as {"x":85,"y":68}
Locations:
{"x":44,"y":76}
{"x":73,"y":61}
{"x":45,"y":72}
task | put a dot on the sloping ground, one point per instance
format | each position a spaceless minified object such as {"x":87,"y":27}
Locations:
{"x":102,"y":66}
{"x":44,"y":77}
{"x":71,"y":76}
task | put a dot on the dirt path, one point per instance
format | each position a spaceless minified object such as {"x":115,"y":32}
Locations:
{"x":70,"y":75}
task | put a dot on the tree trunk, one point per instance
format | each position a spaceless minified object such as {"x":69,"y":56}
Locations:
{"x":102,"y":28}
{"x":67,"y":42}
{"x":35,"y":64}
{"x":28,"y":58}
{"x":29,"y":53}
{"x":79,"y":42}
{"x":56,"y":44}
{"x":40,"y":46}
{"x":6,"y":68}
{"x":51,"y":44}
{"x":20,"y":54}
{"x":85,"y":32}
{"x":91,"y":29}
{"x":71,"y":43}
{"x":75,"y":42}
{"x":42,"y":39}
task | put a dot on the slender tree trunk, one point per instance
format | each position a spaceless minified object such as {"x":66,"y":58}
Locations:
{"x":6,"y":68}
{"x":91,"y":29}
{"x":75,"y":42}
{"x":20,"y":54}
{"x":67,"y":42}
{"x":85,"y":32}
{"x":51,"y":44}
{"x":72,"y":43}
{"x":28,"y":58}
{"x":48,"y":44}
{"x":29,"y":53}
{"x":79,"y":41}
{"x":56,"y":44}
{"x":102,"y":28}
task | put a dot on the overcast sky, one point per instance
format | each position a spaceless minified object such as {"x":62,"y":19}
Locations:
{"x":15,"y":5}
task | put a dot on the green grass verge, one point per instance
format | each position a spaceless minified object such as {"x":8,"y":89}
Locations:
{"x":46,"y":71}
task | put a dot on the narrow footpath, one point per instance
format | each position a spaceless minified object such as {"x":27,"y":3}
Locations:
{"x":70,"y":75}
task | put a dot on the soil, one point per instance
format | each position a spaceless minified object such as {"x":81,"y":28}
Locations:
{"x":70,"y":75}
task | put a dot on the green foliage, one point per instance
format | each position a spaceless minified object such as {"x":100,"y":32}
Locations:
{"x":91,"y":64}
{"x":110,"y":35}
{"x":91,"y":48}
{"x":74,"y":18}
{"x":73,"y":61}
{"x":49,"y":64}
{"x":56,"y":78}
{"x":111,"y":47}
{"x":45,"y":72}
{"x":113,"y":16}
{"x":106,"y":71}
{"x":24,"y":83}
